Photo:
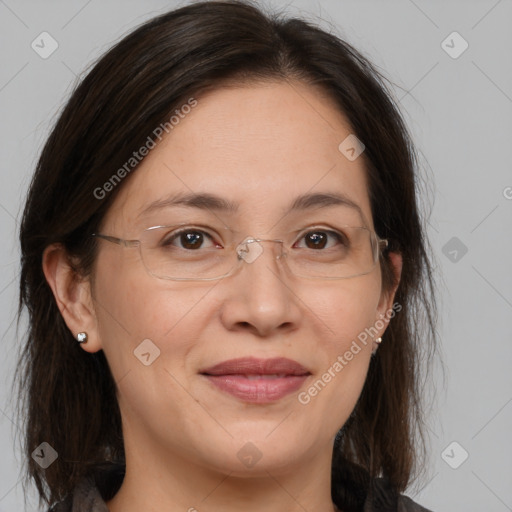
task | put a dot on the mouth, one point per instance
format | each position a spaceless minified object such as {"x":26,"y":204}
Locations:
{"x":257,"y":380}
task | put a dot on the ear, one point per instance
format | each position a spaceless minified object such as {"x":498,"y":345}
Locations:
{"x":72,"y":294}
{"x":387,"y":297}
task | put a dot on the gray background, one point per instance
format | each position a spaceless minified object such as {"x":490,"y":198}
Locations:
{"x":459,"y":111}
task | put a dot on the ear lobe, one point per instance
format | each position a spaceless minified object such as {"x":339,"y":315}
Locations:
{"x":72,"y":294}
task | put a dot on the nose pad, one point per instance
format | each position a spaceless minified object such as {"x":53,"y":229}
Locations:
{"x":251,"y":249}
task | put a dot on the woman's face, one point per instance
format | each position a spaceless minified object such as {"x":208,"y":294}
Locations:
{"x":259,"y":147}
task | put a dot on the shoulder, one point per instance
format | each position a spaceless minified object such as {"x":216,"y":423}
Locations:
{"x":85,"y":498}
{"x":383,"y":498}
{"x":405,"y":504}
{"x":353,"y":489}
{"x":62,"y":506}
{"x":93,"y":491}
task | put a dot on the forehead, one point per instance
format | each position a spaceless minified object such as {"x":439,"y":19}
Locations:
{"x":259,"y":146}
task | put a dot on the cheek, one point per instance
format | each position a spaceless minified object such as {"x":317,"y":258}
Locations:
{"x":133,"y":307}
{"x":148,"y":329}
{"x":346,"y":311}
{"x":345,"y":316}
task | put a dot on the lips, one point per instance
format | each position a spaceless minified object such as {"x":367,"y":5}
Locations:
{"x":257,"y":380}
{"x":250,"y":366}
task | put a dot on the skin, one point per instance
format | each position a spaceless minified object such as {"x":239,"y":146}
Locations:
{"x":260,"y":145}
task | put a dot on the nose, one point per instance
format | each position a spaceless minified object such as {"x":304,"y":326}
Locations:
{"x":259,"y":296}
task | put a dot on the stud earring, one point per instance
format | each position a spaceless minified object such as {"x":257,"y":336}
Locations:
{"x":81,"y":337}
{"x":378,"y":341}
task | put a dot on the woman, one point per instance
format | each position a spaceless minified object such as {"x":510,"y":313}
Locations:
{"x":226,"y":276}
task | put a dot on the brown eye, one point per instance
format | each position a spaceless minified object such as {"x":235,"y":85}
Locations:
{"x":190,"y":239}
{"x":319,"y":239}
{"x":316,"y":240}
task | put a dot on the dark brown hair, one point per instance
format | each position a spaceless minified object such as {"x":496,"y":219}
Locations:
{"x":68,"y":396}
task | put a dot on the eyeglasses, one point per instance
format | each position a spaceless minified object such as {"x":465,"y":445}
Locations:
{"x":193,"y":253}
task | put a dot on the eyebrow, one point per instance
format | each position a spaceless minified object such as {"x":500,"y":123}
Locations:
{"x":206,"y":201}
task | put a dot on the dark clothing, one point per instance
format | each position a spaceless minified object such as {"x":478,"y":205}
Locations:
{"x":90,"y":495}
